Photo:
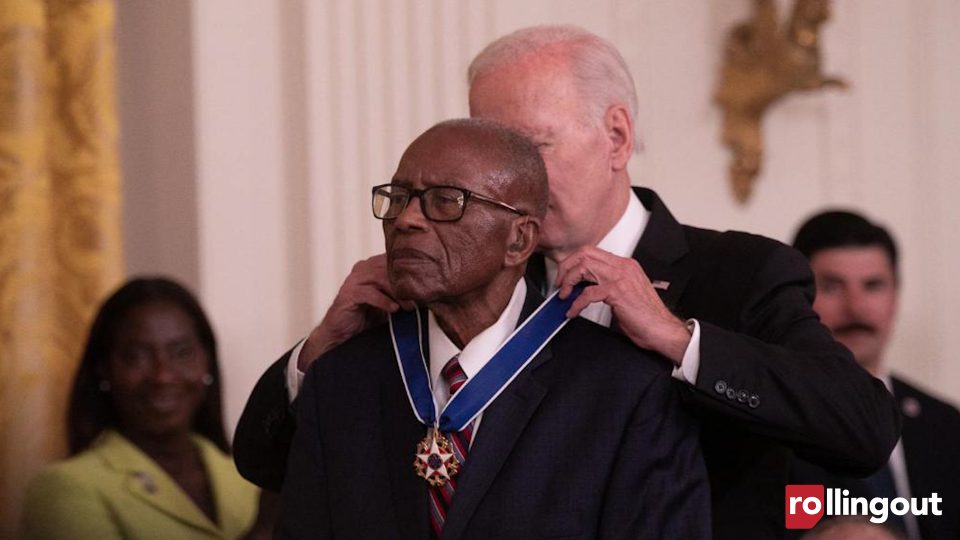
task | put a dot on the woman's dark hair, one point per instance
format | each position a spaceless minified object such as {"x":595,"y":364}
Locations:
{"x":91,"y":410}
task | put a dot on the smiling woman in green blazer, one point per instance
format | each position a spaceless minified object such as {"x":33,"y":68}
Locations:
{"x":150,"y":457}
{"x":114,"y":490}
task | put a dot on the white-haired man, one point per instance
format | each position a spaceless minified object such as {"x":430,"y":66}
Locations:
{"x":732,"y":311}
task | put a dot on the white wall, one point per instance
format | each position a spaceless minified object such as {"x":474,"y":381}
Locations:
{"x":156,"y":103}
{"x":297,"y":107}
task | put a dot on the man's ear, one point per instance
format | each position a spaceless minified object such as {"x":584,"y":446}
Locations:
{"x":522,"y":240}
{"x":618,"y":127}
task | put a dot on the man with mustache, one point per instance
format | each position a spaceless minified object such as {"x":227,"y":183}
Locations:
{"x":858,"y":286}
{"x":564,"y":427}
{"x":732,"y":311}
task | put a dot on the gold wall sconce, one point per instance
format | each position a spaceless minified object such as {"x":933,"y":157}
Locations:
{"x":764,"y":61}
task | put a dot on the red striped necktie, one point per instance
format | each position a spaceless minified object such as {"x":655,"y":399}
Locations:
{"x":441,"y":497}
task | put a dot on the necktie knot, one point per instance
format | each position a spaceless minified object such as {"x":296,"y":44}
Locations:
{"x":453,"y":374}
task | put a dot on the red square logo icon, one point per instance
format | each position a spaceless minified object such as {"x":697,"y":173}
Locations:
{"x":804,"y":506}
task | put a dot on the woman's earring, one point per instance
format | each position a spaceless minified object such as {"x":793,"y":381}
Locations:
{"x":207,"y":379}
{"x":104,"y":385}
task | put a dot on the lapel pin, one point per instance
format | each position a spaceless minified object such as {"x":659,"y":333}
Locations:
{"x":148,"y":484}
{"x":660,"y":284}
{"x":910,"y":407}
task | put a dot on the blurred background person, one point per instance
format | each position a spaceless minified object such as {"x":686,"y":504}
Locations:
{"x":149,"y":455}
{"x":855,"y":263}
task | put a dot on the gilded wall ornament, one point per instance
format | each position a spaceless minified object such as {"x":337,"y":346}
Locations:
{"x":764,"y":61}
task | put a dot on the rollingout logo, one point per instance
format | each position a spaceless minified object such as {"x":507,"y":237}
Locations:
{"x":806,"y":505}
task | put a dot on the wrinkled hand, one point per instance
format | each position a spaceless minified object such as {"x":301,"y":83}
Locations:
{"x":623,"y":285}
{"x":363,"y":301}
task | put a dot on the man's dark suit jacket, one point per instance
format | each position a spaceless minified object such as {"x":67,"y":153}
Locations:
{"x":931,"y":450}
{"x":589,"y":441}
{"x":772,"y":381}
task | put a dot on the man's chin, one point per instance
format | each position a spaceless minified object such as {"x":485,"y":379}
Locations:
{"x":549,"y":248}
{"x":410,"y":290}
{"x":860,"y":346}
{"x":408,"y":298}
{"x":557,"y":246}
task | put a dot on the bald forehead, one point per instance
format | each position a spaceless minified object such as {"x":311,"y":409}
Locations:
{"x":470,"y":145}
{"x":475,"y":134}
{"x":461,"y":156}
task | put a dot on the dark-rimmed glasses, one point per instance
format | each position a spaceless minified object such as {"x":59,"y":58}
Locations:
{"x":437,"y":203}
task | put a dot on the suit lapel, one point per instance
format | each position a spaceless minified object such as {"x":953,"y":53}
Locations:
{"x":661,"y":249}
{"x":910,"y":412}
{"x":146,"y":481}
{"x":502,"y":424}
{"x":401,"y":433}
{"x":222,"y":475}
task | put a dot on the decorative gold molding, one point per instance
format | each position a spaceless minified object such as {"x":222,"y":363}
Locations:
{"x":762,"y":63}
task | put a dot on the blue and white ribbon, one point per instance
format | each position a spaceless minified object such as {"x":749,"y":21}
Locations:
{"x":408,"y":329}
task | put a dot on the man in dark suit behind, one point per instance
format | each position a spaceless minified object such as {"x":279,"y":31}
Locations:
{"x":858,"y":284}
{"x":588,"y":441}
{"x":731,"y":311}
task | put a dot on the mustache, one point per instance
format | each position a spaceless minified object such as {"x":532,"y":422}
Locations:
{"x":855,"y":326}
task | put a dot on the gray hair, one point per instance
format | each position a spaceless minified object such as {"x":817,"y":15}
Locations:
{"x":598,"y":68}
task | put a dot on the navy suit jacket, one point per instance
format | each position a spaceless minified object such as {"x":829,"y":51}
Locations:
{"x":589,"y":441}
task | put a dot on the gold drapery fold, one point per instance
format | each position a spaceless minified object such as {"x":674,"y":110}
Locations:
{"x":60,"y":243}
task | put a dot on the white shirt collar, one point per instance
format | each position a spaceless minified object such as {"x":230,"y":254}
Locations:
{"x":884,"y":375}
{"x":621,"y":240}
{"x":478,"y":352}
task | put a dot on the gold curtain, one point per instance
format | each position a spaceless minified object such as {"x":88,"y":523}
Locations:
{"x":60,"y":244}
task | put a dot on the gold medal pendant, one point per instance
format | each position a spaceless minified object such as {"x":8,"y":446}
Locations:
{"x":435,"y":461}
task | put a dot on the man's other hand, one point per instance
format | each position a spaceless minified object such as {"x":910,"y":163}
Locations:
{"x":363,"y":301}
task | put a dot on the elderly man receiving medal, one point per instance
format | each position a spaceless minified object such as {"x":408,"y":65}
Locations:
{"x":485,"y":412}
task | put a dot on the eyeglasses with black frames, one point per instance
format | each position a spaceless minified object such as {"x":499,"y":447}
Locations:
{"x":438,"y":203}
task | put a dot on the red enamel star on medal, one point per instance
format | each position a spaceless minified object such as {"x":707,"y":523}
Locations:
{"x":435,"y":461}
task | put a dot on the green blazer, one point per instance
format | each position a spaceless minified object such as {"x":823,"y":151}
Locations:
{"x":113,"y":490}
